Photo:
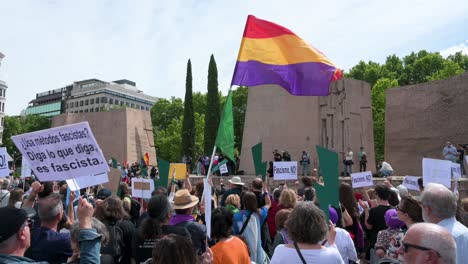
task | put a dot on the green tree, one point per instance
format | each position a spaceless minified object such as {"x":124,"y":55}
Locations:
{"x":164,"y":111}
{"x":16,"y":125}
{"x":378,"y":113}
{"x":212,"y":107}
{"x":460,"y":59}
{"x":188,"y":126}
{"x":169,"y":141}
{"x":449,"y":69}
{"x":199,"y":103}
{"x":239,"y":108}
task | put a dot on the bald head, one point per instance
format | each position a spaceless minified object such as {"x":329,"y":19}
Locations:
{"x":428,"y":243}
{"x":257,"y":184}
{"x":438,"y":203}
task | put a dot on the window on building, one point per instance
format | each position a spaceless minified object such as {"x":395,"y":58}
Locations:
{"x":96,"y":109}
{"x":102,"y":108}
{"x":86,"y":102}
{"x":116,"y":102}
{"x":66,"y":106}
{"x":142,"y":107}
{"x":71,"y":105}
{"x":86,"y":110}
{"x":81,"y":111}
{"x":76,"y":104}
{"x":122,"y":103}
{"x":91,"y":110}
{"x":147,"y":108}
{"x":104,"y":100}
{"x":91,"y":101}
{"x":97,"y":100}
{"x":81,"y":103}
{"x":127,"y":104}
{"x":111,"y":101}
{"x":3,"y":107}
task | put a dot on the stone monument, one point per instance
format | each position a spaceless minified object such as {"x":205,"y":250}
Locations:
{"x":421,"y":118}
{"x":296,"y":123}
{"x":124,"y":134}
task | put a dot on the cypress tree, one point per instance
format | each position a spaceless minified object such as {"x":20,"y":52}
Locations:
{"x":188,"y":125}
{"x":212,"y":107}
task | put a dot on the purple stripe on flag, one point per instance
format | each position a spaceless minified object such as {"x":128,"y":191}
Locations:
{"x":307,"y":79}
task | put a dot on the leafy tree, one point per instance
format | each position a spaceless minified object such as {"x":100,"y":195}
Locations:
{"x":449,"y":69}
{"x":460,"y":59}
{"x":188,"y":126}
{"x":199,"y":103}
{"x":164,"y":111}
{"x":212,"y":108}
{"x":239,"y":108}
{"x":15,"y":125}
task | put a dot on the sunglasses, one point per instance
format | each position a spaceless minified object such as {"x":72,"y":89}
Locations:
{"x":406,"y":246}
{"x":399,"y":209}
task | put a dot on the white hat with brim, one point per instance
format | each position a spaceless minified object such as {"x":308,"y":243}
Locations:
{"x":183,"y":200}
{"x":236,"y":181}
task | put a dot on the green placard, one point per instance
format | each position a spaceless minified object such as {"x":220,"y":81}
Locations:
{"x":328,"y":192}
{"x":260,"y":166}
{"x":163,"y":180}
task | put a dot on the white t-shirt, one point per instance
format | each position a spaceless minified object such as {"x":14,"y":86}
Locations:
{"x":345,"y":245}
{"x":349,"y":155}
{"x":386,"y":166}
{"x":5,"y":197}
{"x":288,"y":255}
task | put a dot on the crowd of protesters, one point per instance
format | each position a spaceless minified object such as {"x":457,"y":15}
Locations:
{"x":250,"y":223}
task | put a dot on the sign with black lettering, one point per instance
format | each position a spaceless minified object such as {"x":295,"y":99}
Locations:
{"x":411,"y":183}
{"x":285,"y":170}
{"x":361,"y":179}
{"x":4,"y":169}
{"x":62,"y":153}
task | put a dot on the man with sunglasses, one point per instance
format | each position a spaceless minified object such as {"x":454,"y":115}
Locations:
{"x":429,"y":244}
{"x":439,"y":206}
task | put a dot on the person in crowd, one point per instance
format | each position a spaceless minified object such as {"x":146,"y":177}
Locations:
{"x":287,"y":200}
{"x":281,"y":236}
{"x":4,"y":193}
{"x":248,"y":223}
{"x":47,"y":243}
{"x":286,"y":156}
{"x":126,"y":196}
{"x":450,"y":152}
{"x":236,"y":186}
{"x":15,"y":225}
{"x":348,"y":162}
{"x":16,"y":198}
{"x":374,"y":218}
{"x":394,"y":198}
{"x":153,"y":228}
{"x":439,"y":206}
{"x":362,"y":156}
{"x":176,"y":249}
{"x":384,"y":246}
{"x":229,"y":249}
{"x":420,"y":184}
{"x":305,"y":162}
{"x":385,"y":169}
{"x":184,"y":204}
{"x":402,"y":190}
{"x":348,"y":201}
{"x":116,"y":219}
{"x":233,"y":203}
{"x":309,"y":194}
{"x":409,"y":211}
{"x":101,"y":229}
{"x":274,"y":208}
{"x":277,"y":156}
{"x":343,"y":240}
{"x":426,"y":243}
{"x":304,"y":183}
{"x":200,"y":166}
{"x":307,"y":228}
{"x":257,"y":189}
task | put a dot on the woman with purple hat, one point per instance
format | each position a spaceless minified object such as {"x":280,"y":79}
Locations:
{"x":388,"y":240}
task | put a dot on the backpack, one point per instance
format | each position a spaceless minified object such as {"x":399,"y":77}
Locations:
{"x":115,"y":245}
{"x":135,"y":207}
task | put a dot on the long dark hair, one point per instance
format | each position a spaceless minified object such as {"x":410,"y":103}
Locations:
{"x":174,"y":249}
{"x":111,"y":210}
{"x":158,"y":211}
{"x":348,"y":200}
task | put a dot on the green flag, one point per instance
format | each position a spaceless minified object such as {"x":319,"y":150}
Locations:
{"x":114,"y":163}
{"x":225,"y":138}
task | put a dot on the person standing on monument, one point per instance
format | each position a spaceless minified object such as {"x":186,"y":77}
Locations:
{"x":362,"y":155}
{"x":305,"y":161}
{"x":450,"y":152}
{"x":348,"y":162}
{"x":277,"y":156}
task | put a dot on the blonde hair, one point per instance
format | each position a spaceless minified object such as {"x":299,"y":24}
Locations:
{"x":234,"y":200}
{"x":288,"y":198}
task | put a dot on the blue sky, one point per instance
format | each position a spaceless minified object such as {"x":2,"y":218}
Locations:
{"x":49,"y":44}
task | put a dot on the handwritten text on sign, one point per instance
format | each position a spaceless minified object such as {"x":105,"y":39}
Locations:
{"x":411,"y":183}
{"x":285,"y":170}
{"x":437,"y":171}
{"x":62,"y":153}
{"x":362,"y":179}
{"x":4,"y":170}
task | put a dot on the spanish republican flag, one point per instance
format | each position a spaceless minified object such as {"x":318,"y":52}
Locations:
{"x":146,"y":158}
{"x":272,"y":54}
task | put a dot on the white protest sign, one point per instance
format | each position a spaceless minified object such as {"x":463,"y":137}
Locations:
{"x":456,"y":170}
{"x":223,"y":168}
{"x":4,"y":169}
{"x":207,"y":196}
{"x":285,"y":170}
{"x":25,"y":169}
{"x":466,"y":159}
{"x":411,"y":183}
{"x":437,"y":171}
{"x":142,"y":188}
{"x":361,"y":179}
{"x":87,"y":181}
{"x":62,"y":153}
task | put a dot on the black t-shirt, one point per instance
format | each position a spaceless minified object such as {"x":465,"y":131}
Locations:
{"x":277,"y":157}
{"x":127,"y":229}
{"x":260,"y":198}
{"x":142,"y":248}
{"x":377,"y":220}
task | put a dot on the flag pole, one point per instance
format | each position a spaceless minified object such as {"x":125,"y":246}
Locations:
{"x":208,"y":174}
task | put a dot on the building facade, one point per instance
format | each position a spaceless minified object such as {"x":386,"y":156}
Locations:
{"x":3,"y":88}
{"x":91,"y":95}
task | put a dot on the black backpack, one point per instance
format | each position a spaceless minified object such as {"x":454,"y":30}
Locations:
{"x":114,"y":247}
{"x":135,"y":207}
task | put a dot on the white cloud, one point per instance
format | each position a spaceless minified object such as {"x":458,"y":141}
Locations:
{"x":463,"y":47}
{"x":51,"y":44}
